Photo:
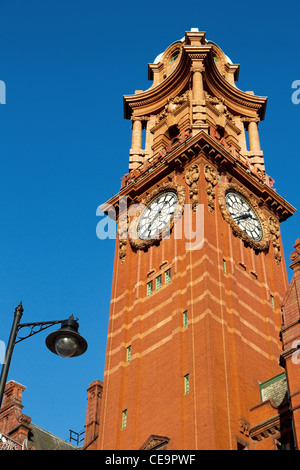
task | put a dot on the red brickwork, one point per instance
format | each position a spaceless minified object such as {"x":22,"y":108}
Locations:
{"x":194,"y":384}
{"x":17,"y":432}
{"x":291,"y":340}
{"x":92,"y":415}
{"x":12,"y":421}
{"x":230,"y":345}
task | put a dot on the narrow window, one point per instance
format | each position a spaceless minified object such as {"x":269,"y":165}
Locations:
{"x":168,"y":276}
{"x":124,"y":419}
{"x":186,"y":384}
{"x":158,"y":282}
{"x":185,"y":319}
{"x":149,"y":288}
{"x":128,"y":353}
{"x":224,"y":266}
{"x":272,"y":302}
{"x":174,"y":56}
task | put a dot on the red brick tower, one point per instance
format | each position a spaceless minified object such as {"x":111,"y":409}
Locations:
{"x":195,"y":314}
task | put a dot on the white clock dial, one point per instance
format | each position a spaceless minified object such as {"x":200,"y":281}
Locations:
{"x":243,"y":215}
{"x":157,"y":215}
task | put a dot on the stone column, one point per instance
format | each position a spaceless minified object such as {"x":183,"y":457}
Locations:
{"x":254,"y":142}
{"x":198,"y":99}
{"x":137,"y":154}
{"x":137,"y":128}
{"x":198,"y":94}
{"x":255,"y":153}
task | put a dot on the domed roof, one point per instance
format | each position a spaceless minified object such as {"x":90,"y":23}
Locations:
{"x":159,"y":57}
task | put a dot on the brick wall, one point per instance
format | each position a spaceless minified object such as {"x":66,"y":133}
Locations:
{"x":230,"y":345}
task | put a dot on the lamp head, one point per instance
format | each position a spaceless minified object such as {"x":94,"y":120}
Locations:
{"x":67,"y":342}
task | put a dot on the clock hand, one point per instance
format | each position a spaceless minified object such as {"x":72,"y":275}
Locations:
{"x":243,"y":216}
{"x":157,"y":214}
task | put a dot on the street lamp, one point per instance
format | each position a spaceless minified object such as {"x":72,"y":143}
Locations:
{"x":66,"y":342}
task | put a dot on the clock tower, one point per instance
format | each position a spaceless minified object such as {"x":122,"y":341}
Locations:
{"x":199,"y":273}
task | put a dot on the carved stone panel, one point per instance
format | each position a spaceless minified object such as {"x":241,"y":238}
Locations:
{"x":191,"y":179}
{"x":122,"y":231}
{"x":244,"y":427}
{"x":275,"y":234}
{"x":211,"y":177}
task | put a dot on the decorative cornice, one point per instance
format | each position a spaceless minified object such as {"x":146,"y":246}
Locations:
{"x":273,"y":426}
{"x":237,"y":100}
{"x":217,"y":155}
{"x":287,"y":354}
{"x":155,"y":98}
{"x":155,"y":443}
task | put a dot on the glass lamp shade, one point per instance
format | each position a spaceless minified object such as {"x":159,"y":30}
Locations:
{"x":67,"y":342}
{"x":66,"y":346}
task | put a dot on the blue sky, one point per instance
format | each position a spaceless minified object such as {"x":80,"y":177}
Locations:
{"x":64,"y":145}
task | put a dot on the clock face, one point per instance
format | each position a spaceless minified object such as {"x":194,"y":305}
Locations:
{"x":243,"y":215}
{"x":157,"y":215}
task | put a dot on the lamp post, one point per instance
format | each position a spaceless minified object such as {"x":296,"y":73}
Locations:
{"x":66,"y":342}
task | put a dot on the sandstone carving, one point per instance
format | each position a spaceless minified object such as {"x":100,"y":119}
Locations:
{"x":211,"y":177}
{"x":191,"y":179}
